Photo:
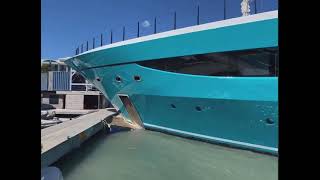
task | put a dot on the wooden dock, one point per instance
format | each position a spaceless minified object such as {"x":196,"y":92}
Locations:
{"x":60,"y":139}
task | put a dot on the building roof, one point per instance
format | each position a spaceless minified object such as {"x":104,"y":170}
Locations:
{"x":57,"y":61}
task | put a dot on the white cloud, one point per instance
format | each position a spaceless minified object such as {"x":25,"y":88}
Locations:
{"x":146,"y":23}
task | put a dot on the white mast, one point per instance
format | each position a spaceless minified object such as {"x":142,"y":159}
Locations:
{"x":245,"y":8}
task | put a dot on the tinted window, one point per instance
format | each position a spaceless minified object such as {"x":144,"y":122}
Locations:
{"x":255,"y":62}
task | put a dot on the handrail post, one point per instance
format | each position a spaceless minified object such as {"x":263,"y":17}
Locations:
{"x":123,"y":32}
{"x":224,"y":9}
{"x":155,"y":25}
{"x":255,"y":7}
{"x":101,"y":40}
{"x":111,"y":37}
{"x":198,"y":15}
{"x":175,"y":20}
{"x":138,"y":34}
{"x":87,"y":45}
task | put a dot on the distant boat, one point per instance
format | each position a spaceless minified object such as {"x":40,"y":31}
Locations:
{"x":216,"y":82}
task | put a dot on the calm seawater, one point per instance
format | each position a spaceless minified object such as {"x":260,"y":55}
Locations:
{"x":146,"y":155}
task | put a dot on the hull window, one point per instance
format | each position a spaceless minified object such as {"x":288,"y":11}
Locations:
{"x":253,"y":62}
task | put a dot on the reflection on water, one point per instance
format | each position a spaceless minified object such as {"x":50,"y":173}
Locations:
{"x":146,"y":155}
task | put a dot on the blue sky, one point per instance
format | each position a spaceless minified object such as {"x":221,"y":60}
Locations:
{"x":65,"y":24}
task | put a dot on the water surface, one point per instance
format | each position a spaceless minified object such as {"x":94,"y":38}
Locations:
{"x":146,"y":155}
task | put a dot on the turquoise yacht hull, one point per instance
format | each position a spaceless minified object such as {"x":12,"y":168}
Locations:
{"x":235,"y":109}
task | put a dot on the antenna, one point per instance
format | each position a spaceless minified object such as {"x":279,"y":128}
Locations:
{"x":245,"y":8}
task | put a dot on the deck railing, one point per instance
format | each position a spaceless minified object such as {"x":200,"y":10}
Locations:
{"x":225,"y":9}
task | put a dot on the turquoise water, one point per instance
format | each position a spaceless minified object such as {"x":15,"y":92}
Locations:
{"x":152,"y":155}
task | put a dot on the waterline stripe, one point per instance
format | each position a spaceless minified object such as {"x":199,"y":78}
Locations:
{"x":214,"y":138}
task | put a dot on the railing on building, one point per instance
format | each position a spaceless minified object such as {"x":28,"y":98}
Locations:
{"x":56,"y":76}
{"x":44,"y":81}
{"x":224,"y":9}
{"x":61,"y":81}
{"x":55,"y":81}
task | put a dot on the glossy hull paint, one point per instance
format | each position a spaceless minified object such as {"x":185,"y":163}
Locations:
{"x":228,"y":110}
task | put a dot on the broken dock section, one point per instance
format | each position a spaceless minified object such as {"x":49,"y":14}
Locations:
{"x":62,"y":138}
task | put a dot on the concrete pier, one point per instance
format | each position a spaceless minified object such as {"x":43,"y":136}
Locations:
{"x":60,"y":139}
{"x":73,"y":111}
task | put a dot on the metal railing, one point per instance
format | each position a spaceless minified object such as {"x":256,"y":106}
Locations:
{"x":55,"y":81}
{"x":62,"y":81}
{"x":142,"y":28}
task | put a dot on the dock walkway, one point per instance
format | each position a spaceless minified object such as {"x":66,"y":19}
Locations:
{"x":72,"y":111}
{"x":60,"y":139}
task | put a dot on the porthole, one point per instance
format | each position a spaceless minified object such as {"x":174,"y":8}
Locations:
{"x":198,"y":108}
{"x":137,"y":78}
{"x":118,"y":78}
{"x":269,"y":121}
